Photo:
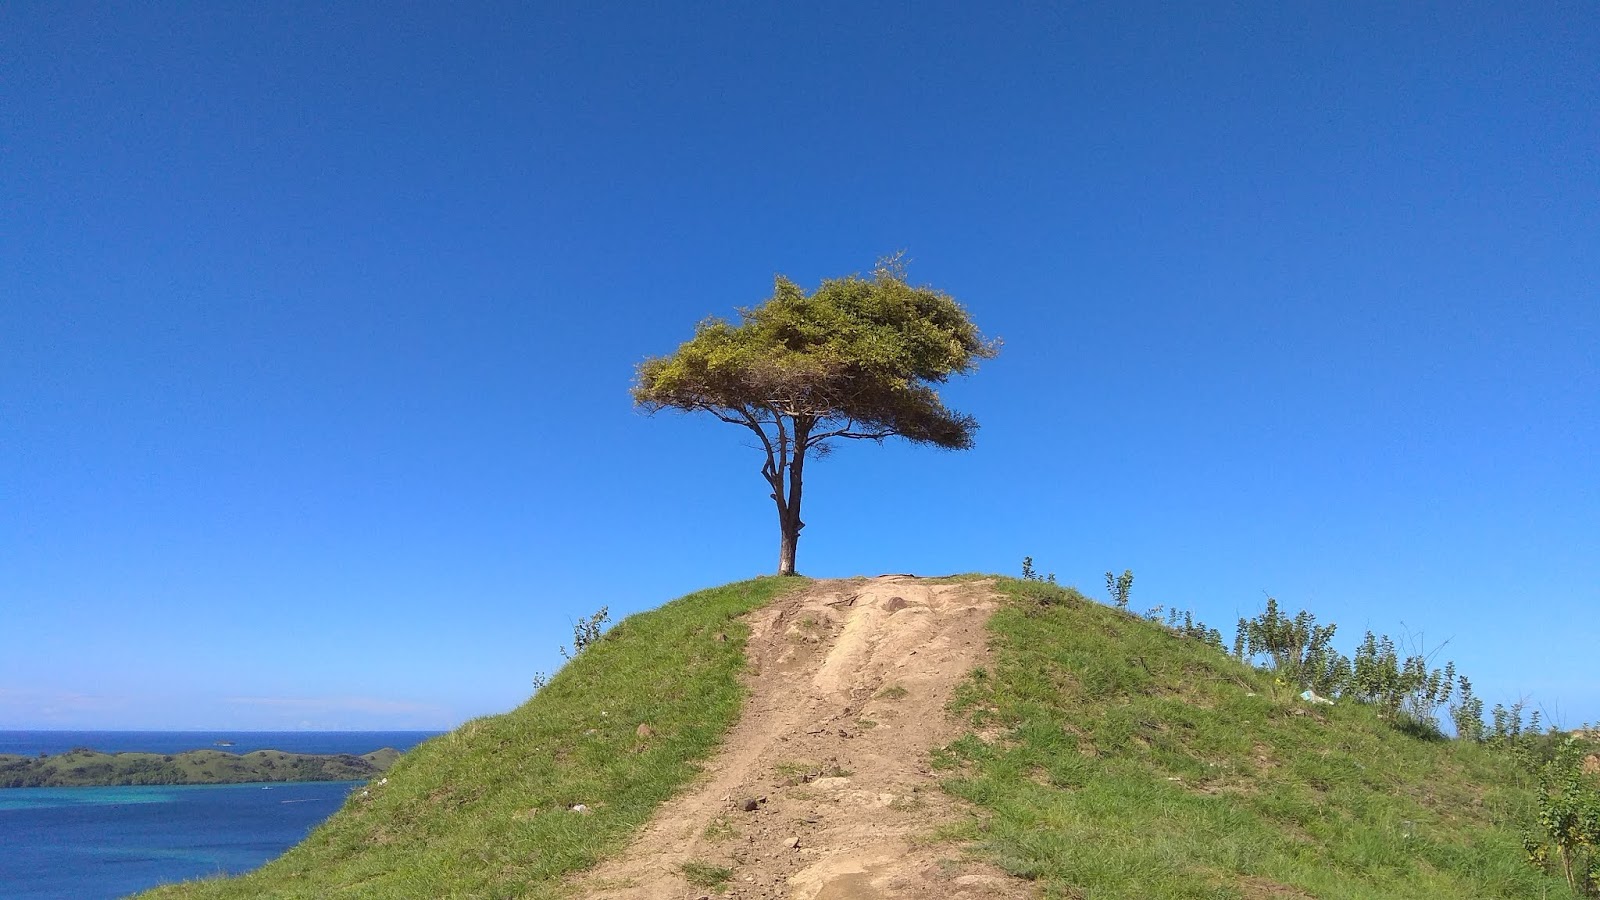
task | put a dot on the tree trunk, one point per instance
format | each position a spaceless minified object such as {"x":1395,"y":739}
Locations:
{"x":789,"y":523}
{"x":786,"y":548}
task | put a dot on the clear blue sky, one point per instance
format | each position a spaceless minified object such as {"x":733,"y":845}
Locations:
{"x":316,"y":327}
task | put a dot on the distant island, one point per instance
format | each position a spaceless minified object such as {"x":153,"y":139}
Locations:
{"x":82,"y":767}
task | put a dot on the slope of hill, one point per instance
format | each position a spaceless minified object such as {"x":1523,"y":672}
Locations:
{"x":1099,"y":755}
{"x":485,"y":811}
{"x":1113,"y":758}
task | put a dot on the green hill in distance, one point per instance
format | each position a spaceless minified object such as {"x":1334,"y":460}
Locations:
{"x":1104,"y":756}
{"x":83,"y":767}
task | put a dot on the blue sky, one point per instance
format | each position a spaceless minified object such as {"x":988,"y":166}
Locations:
{"x":316,"y":328}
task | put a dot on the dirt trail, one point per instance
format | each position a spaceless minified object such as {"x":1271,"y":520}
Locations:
{"x":823,"y":787}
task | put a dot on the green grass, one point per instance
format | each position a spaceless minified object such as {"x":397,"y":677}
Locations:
{"x":706,"y":875}
{"x":1111,"y":758}
{"x":485,"y":810}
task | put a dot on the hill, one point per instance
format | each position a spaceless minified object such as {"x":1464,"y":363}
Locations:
{"x":84,"y":767}
{"x":915,"y":737}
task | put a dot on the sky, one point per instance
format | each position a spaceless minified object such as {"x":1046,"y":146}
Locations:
{"x":317,"y":327}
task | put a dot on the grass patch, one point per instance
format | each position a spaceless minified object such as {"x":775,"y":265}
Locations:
{"x":893,"y":692}
{"x":485,"y":810}
{"x":720,"y":829}
{"x":1125,"y":761}
{"x":706,"y":875}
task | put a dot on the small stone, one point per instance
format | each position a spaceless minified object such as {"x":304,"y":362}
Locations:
{"x":750,"y":804}
{"x":579,"y":808}
{"x":792,"y":843}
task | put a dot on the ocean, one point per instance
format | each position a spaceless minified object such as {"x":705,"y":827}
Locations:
{"x":106,"y":842}
{"x":33,"y":743}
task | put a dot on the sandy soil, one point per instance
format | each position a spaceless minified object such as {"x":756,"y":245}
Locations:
{"x":823,"y":791}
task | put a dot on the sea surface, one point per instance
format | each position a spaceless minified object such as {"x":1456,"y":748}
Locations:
{"x":103,"y":842}
{"x":33,"y":743}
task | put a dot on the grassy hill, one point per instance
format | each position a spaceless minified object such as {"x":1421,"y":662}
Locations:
{"x":1108,"y":757}
{"x":84,"y":767}
{"x":1113,"y":758}
{"x":485,"y":811}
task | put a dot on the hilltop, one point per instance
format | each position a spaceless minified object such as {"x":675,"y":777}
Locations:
{"x":901,"y":737}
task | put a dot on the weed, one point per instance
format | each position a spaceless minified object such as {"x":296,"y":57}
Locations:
{"x":1406,"y":692}
{"x":1467,"y":713}
{"x":1028,"y":574}
{"x":720,"y":829}
{"x":706,"y":875}
{"x":893,"y":692}
{"x":587,"y":631}
{"x":909,"y":802}
{"x":1118,"y":587}
{"x":1299,"y":651}
{"x":1044,"y":590}
{"x":794,"y":769}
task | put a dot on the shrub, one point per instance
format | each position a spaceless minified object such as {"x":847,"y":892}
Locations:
{"x":1569,"y":820}
{"x":587,"y":631}
{"x":1298,"y":650}
{"x":1118,"y":588}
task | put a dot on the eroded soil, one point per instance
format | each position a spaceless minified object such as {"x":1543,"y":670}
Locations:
{"x":823,"y":790}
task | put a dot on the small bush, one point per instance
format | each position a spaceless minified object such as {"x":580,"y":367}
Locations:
{"x":1298,"y":650}
{"x":1118,"y":587}
{"x":1569,"y":820}
{"x":587,"y":631}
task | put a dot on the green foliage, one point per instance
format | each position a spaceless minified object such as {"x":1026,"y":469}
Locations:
{"x":857,"y":359}
{"x":1467,"y":712}
{"x":864,"y":353}
{"x":1404,"y":691}
{"x":1028,"y":574}
{"x":1508,"y":728}
{"x":1569,"y":819}
{"x":1184,"y":623}
{"x":1044,"y":590}
{"x":1298,"y":650}
{"x":1118,"y":587}
{"x":586,"y":631}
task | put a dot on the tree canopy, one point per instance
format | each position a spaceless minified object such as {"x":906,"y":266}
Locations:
{"x":859,"y":358}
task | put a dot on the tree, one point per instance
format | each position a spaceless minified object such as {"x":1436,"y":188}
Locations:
{"x":857,"y":359}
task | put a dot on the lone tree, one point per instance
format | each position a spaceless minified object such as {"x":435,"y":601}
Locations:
{"x":857,"y":359}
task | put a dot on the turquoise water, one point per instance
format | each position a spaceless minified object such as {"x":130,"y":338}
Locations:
{"x":103,"y":842}
{"x":89,"y":843}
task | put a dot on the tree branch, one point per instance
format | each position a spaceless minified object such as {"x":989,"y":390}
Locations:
{"x":846,"y":432}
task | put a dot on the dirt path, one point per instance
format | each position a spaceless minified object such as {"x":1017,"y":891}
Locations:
{"x":822,"y":790}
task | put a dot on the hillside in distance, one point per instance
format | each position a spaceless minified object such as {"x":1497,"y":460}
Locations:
{"x":83,"y":767}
